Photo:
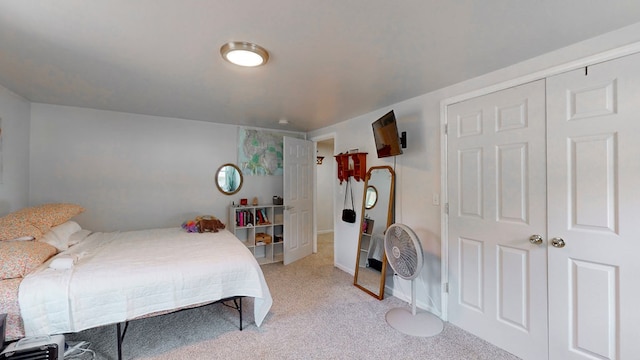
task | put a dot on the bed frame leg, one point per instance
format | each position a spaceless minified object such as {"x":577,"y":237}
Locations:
{"x":120,"y":332}
{"x":237,"y":302}
{"x":237,"y":305}
{"x":240,"y":311}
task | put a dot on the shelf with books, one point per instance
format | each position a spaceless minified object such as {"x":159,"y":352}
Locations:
{"x":260,"y":228}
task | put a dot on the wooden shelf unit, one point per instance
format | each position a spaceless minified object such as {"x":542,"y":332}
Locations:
{"x":246,"y":221}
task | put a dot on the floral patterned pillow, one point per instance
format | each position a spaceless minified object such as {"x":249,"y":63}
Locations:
{"x":15,"y":226}
{"x":46,"y":216}
{"x":9,"y":306}
{"x":18,"y":258}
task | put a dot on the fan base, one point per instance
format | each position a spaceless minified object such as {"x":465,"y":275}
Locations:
{"x":421,"y":324}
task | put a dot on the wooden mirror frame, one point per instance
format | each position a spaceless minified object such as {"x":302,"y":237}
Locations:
{"x":219,"y":186}
{"x":391,"y":199}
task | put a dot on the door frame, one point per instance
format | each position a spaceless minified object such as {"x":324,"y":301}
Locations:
{"x":533,"y":76}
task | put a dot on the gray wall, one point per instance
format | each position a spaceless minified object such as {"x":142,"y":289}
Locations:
{"x":14,"y":152}
{"x":134,"y":171}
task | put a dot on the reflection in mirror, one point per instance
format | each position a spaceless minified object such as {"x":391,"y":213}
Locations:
{"x":229,"y":179}
{"x":370,"y":197}
{"x":371,"y":262}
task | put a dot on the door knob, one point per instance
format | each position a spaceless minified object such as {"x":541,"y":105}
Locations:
{"x":557,"y":242}
{"x":535,"y":239}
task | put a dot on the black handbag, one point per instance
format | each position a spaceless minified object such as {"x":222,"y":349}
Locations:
{"x":348,"y":215}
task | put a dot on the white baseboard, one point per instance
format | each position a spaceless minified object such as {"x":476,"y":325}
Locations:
{"x":348,"y":271}
{"x":407,"y":297}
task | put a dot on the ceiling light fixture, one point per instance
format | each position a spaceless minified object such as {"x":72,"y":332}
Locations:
{"x":244,"y":53}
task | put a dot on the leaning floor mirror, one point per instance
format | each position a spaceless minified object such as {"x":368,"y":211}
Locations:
{"x":377,"y":210}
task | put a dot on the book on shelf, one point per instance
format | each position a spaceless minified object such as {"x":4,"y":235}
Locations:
{"x":261,"y":217}
{"x":244,"y":218}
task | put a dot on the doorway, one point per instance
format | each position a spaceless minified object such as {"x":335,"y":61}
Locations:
{"x":324,"y":192}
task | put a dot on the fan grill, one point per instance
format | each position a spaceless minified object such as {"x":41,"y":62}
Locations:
{"x":402,"y":252}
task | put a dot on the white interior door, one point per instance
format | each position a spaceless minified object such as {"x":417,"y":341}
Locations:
{"x":298,"y":199}
{"x":497,"y":201}
{"x":594,"y":202}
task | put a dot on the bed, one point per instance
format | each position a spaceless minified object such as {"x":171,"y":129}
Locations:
{"x":111,"y":278}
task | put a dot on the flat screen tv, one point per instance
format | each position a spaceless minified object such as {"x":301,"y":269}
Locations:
{"x":386,"y":137}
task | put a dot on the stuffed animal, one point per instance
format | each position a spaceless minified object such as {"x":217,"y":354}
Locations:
{"x":209,"y":224}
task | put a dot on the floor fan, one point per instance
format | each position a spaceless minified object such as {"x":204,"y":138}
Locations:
{"x":404,"y":253}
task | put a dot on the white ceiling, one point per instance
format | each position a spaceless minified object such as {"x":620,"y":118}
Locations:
{"x":331,"y":60}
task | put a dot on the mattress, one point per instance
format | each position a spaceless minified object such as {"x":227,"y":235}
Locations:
{"x":120,"y":276}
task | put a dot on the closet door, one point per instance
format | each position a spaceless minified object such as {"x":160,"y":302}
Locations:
{"x":594,"y":209}
{"x":497,"y":202}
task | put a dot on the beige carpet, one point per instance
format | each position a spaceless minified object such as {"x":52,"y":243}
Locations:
{"x":317,"y":314}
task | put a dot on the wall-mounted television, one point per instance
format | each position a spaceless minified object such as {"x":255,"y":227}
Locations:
{"x":386,"y":136}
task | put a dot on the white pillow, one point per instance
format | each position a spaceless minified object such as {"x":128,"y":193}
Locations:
{"x":59,"y":235}
{"x":78,"y":236}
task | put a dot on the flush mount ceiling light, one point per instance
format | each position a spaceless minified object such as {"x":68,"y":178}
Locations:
{"x":244,"y":53}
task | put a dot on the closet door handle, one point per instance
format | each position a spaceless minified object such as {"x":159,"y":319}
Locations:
{"x":535,"y":239}
{"x":557,"y":242}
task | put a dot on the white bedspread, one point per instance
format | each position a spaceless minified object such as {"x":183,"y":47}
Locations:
{"x":123,"y":275}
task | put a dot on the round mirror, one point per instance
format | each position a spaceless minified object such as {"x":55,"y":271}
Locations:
{"x":371,"y":197}
{"x":229,"y":179}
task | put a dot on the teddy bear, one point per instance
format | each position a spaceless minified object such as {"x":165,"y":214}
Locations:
{"x":209,"y":224}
